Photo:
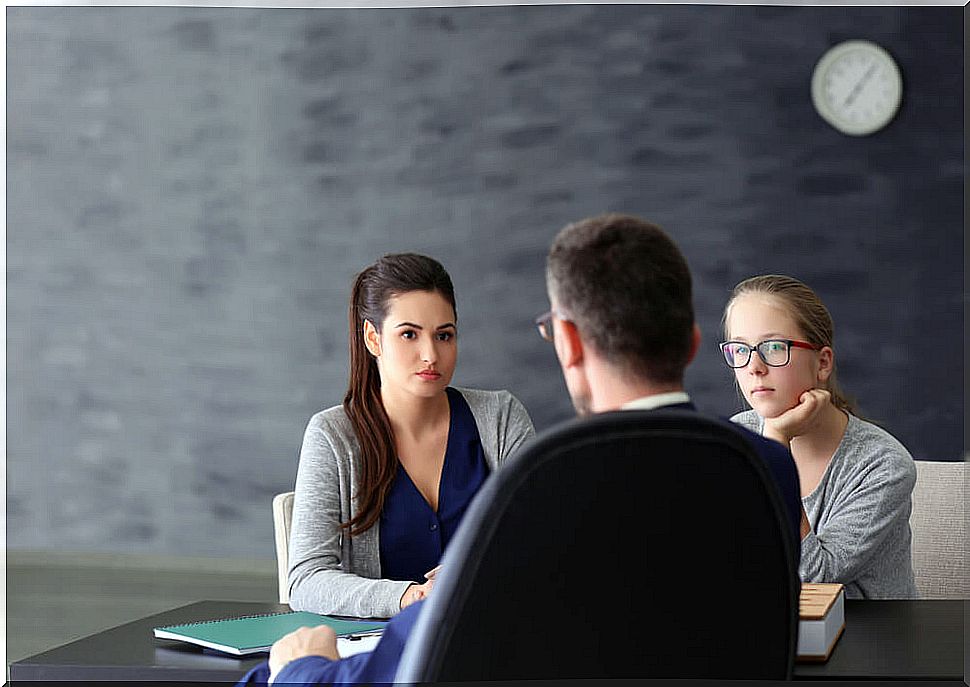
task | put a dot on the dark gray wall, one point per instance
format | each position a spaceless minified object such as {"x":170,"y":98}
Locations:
{"x":190,"y":192}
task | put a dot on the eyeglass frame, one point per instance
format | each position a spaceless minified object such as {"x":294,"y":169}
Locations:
{"x":791,"y":343}
{"x":543,"y":324}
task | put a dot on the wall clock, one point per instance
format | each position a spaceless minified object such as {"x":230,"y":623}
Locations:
{"x":857,"y":87}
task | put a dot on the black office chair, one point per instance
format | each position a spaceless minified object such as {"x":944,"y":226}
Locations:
{"x":633,"y":544}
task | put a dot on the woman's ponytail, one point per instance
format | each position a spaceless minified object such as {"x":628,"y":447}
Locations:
{"x":370,"y":297}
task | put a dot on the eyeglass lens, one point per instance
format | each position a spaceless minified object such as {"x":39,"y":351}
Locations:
{"x":773,"y":353}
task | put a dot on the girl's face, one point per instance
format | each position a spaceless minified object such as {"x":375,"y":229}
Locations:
{"x":417,"y":348}
{"x":771,"y":391}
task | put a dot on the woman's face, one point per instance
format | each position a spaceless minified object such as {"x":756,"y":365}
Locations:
{"x":417,"y":347}
{"x":771,"y":391}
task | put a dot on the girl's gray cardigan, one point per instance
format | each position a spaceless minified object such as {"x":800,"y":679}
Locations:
{"x":331,"y":572}
{"x":859,"y":514}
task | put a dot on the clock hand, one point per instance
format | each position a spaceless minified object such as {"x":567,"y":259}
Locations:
{"x":858,"y":87}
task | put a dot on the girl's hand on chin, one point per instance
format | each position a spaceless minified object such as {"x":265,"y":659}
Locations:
{"x":799,"y":419}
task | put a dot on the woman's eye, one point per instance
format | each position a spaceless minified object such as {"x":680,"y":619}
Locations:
{"x":409,"y":334}
{"x":445,"y":336}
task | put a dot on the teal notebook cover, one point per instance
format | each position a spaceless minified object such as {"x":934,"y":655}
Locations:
{"x":256,"y":633}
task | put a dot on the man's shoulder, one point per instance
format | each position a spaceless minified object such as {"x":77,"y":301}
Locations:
{"x":766,"y":447}
{"x":748,"y":425}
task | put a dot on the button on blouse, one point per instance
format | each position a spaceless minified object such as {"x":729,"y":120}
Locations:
{"x":412,"y":535}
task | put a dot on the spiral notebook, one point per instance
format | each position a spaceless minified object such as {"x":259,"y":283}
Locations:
{"x":256,"y":633}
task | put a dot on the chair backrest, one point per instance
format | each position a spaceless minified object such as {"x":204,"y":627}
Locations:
{"x":282,"y":518}
{"x":634,"y":544}
{"x":939,"y":527}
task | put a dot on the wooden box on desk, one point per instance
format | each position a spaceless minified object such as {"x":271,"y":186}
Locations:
{"x":821,"y":620}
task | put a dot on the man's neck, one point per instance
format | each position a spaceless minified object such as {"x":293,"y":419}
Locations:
{"x":611,"y":389}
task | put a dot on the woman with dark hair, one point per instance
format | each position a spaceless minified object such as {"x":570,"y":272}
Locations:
{"x":385,"y":478}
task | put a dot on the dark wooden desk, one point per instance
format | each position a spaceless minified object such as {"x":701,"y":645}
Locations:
{"x":130,"y":653}
{"x":916,"y":640}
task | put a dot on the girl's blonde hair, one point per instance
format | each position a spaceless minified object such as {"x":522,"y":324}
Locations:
{"x":809,"y":313}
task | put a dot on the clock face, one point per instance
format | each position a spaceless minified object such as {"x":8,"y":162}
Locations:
{"x":856,"y":87}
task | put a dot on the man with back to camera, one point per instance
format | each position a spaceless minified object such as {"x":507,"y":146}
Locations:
{"x":622,"y":323}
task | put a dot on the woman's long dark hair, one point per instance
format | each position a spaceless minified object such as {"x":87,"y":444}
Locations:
{"x":373,"y":289}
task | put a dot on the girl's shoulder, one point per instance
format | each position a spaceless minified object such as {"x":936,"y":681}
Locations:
{"x":873,"y":436}
{"x":870,"y":442}
{"x":748,"y":419}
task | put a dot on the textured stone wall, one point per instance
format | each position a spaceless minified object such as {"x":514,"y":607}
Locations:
{"x":190,"y":192}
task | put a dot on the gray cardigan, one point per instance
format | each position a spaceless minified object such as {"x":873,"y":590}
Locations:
{"x":331,"y":572}
{"x":859,"y":514}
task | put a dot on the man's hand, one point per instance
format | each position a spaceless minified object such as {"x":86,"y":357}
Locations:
{"x":306,"y":641}
{"x":798,"y":420}
{"x":416,"y":592}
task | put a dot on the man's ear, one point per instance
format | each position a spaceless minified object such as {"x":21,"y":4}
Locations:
{"x":695,"y":343}
{"x":372,"y":339}
{"x":569,"y":347}
{"x":826,"y":363}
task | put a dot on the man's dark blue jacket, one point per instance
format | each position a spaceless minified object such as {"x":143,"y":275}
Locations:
{"x":380,"y":665}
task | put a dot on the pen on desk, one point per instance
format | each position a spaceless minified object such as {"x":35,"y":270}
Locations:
{"x":361,"y":635}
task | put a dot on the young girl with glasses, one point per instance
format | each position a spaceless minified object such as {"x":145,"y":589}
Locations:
{"x":385,"y":478}
{"x":856,"y":478}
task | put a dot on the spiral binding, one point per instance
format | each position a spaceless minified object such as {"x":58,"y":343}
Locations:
{"x":222,"y":620}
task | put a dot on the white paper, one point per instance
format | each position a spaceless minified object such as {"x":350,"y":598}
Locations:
{"x":349,"y":647}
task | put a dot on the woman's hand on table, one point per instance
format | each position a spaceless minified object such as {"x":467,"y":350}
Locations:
{"x":416,"y":592}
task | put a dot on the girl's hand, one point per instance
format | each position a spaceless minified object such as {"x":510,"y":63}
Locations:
{"x":798,"y":420}
{"x":416,"y":592}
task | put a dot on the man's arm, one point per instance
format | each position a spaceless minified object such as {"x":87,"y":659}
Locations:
{"x":305,"y":641}
{"x":309,"y":656}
